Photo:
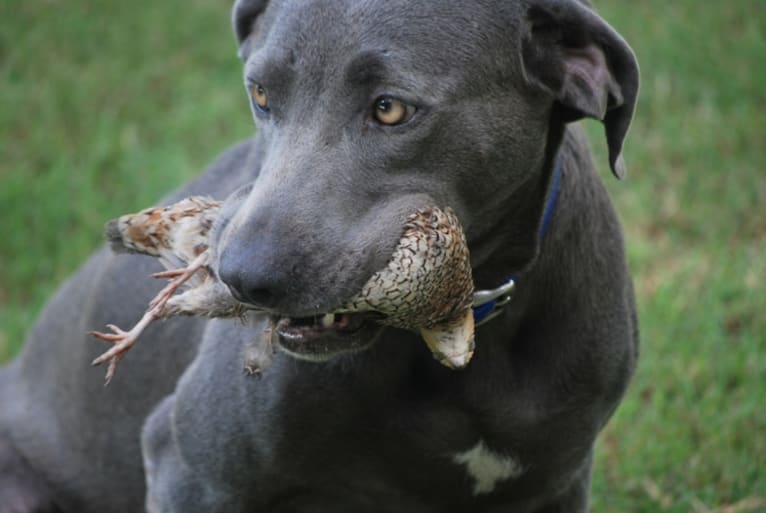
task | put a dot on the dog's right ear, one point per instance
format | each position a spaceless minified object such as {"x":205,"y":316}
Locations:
{"x":243,"y":16}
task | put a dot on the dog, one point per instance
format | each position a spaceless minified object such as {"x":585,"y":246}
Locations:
{"x":366,"y":111}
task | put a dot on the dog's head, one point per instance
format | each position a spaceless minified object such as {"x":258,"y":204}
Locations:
{"x":368,"y":110}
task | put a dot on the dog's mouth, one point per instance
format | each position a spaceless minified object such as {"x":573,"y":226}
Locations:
{"x":320,"y":337}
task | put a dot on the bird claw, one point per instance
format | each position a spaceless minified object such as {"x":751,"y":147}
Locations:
{"x":122,"y":340}
{"x":112,"y":368}
{"x":252,"y":370}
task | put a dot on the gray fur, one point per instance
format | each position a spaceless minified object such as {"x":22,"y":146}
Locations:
{"x":321,"y":193}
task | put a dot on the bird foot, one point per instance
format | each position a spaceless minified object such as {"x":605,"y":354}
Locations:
{"x":122,"y":340}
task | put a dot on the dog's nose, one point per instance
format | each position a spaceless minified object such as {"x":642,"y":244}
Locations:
{"x":249,"y":283}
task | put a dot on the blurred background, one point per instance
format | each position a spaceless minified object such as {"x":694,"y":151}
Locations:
{"x":106,"y":105}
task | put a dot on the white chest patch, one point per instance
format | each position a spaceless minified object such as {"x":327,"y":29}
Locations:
{"x":486,"y":467}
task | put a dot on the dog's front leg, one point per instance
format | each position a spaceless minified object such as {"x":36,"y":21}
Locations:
{"x":171,"y":484}
{"x":196,"y":445}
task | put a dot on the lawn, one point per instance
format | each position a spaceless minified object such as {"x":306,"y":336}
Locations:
{"x":106,"y":105}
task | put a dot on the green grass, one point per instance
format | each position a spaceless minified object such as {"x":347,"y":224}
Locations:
{"x":692,"y":434}
{"x":105,"y":106}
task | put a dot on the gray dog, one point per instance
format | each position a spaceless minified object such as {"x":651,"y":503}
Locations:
{"x":367,"y":110}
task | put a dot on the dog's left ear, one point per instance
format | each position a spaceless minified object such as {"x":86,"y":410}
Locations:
{"x":570,"y":52}
{"x":243,"y":16}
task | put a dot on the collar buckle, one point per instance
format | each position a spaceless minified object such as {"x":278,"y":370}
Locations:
{"x":488,"y":304}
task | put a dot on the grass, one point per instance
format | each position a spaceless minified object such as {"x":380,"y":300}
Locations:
{"x":107,"y":105}
{"x":691,"y":436}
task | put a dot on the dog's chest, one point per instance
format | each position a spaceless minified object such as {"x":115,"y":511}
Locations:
{"x":404,"y":447}
{"x":462,"y":444}
{"x":365,"y":469}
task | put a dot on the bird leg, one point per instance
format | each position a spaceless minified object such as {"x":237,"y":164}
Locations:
{"x":177,"y":278}
{"x":124,"y":340}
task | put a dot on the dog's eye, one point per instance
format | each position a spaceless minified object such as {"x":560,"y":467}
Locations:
{"x":390,"y":111}
{"x":260,"y":97}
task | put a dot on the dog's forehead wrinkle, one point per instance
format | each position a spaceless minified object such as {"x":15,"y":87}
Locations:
{"x":366,"y":67}
{"x":269,"y":66}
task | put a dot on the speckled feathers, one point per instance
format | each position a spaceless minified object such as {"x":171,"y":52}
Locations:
{"x":427,"y":279}
{"x":427,"y":286}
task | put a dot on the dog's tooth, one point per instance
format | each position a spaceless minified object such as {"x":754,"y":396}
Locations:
{"x":328,"y":320}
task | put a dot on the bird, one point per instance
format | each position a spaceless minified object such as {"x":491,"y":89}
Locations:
{"x":178,"y":235}
{"x":426,"y":285}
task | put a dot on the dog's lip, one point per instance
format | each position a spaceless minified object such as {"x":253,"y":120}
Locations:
{"x":314,"y":338}
{"x":311,"y":326}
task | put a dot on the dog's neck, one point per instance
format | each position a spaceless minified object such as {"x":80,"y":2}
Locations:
{"x":488,"y":303}
{"x":512,"y":245}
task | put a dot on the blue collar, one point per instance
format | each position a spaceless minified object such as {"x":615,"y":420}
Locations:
{"x":488,"y":304}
